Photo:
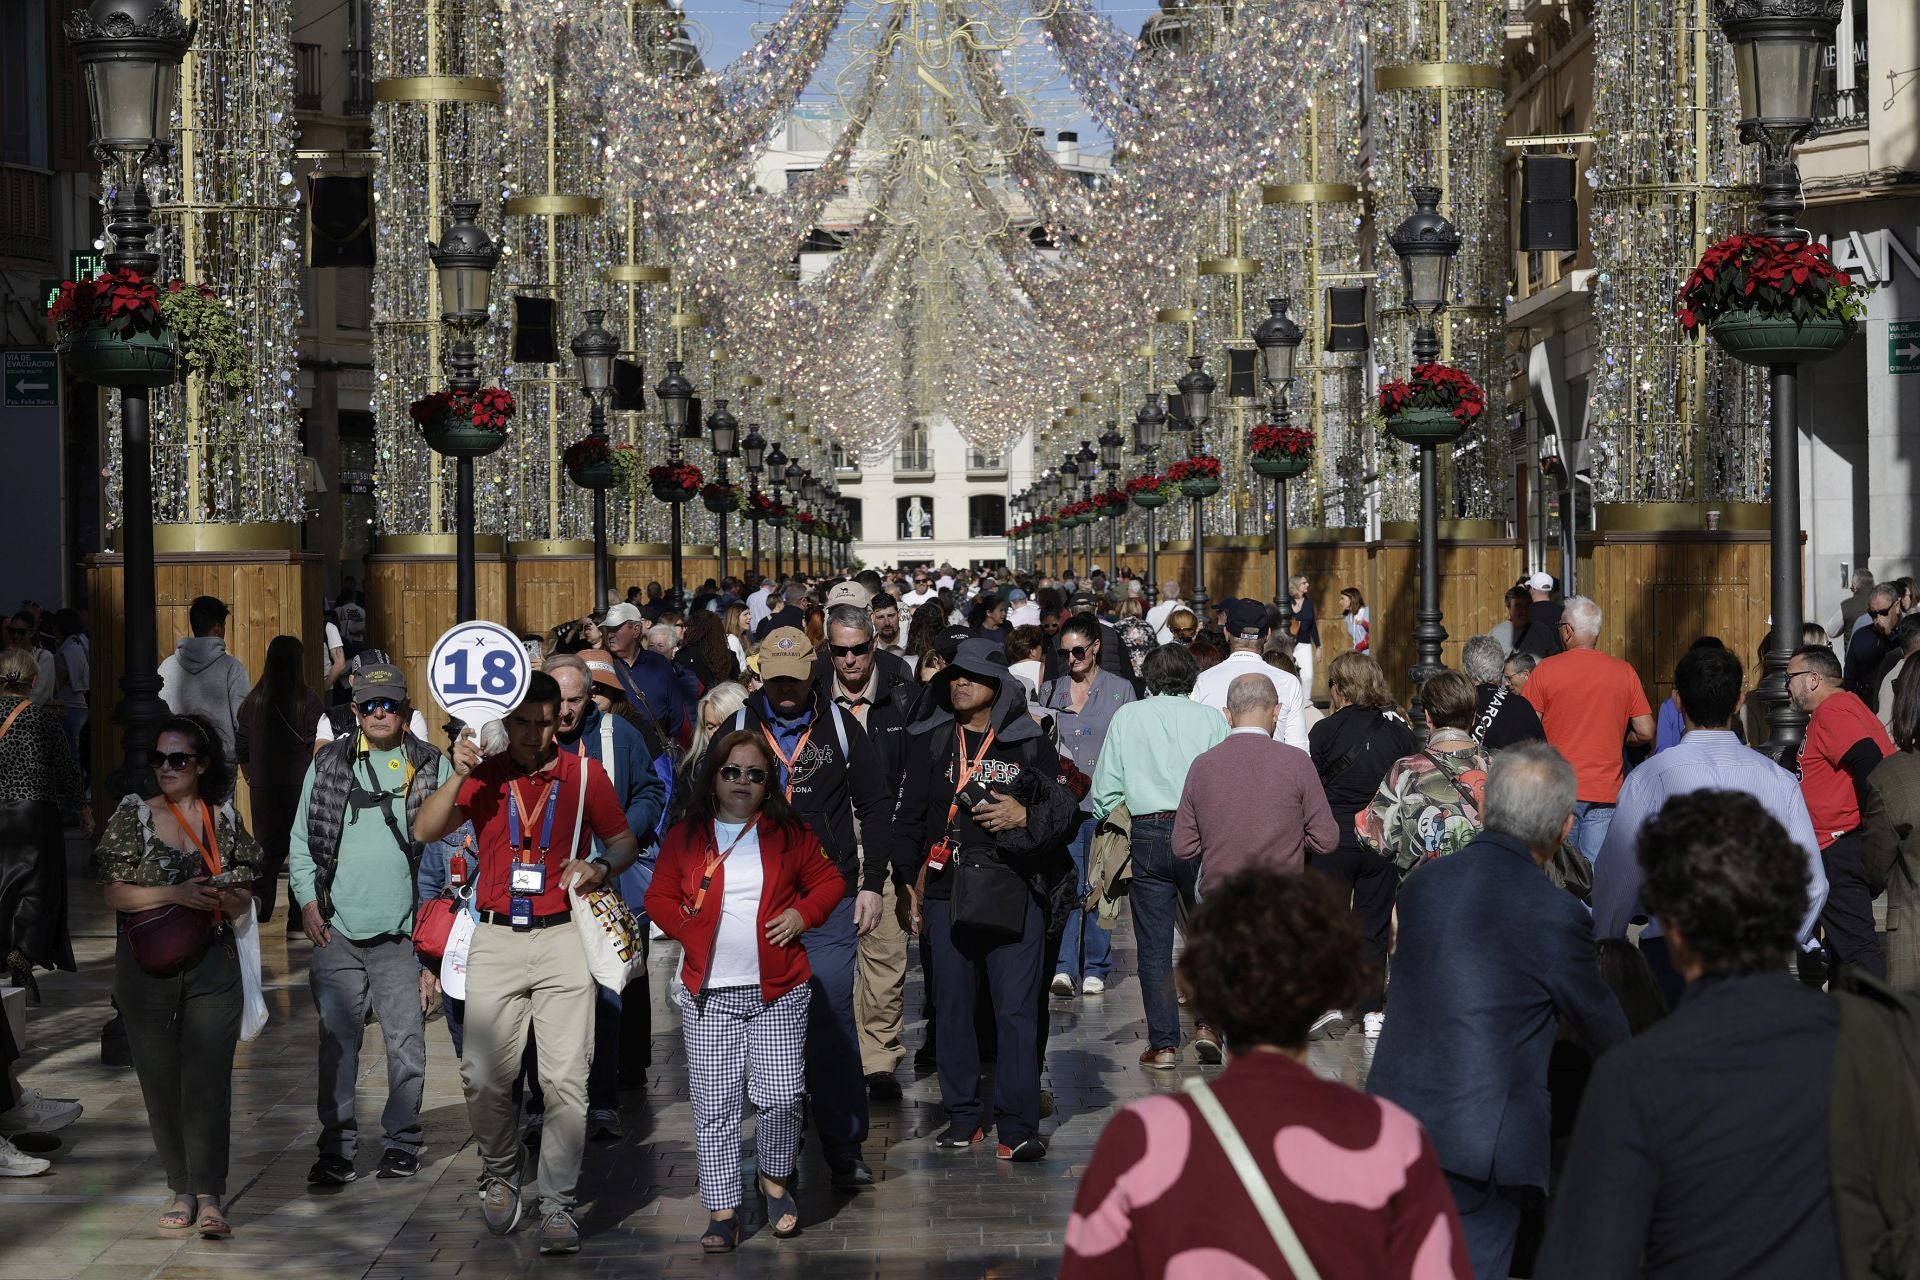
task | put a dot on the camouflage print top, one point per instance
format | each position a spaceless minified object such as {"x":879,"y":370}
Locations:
{"x":1429,"y":805}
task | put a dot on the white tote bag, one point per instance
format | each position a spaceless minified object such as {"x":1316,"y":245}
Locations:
{"x":246,"y":937}
{"x":453,"y":961}
{"x":610,"y":934}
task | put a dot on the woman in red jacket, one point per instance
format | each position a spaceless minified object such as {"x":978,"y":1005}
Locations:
{"x":739,"y":879}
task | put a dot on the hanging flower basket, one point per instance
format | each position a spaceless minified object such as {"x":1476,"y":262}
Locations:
{"x":464,"y":424}
{"x":1753,"y":338}
{"x":1281,"y":466}
{"x":1434,"y":406}
{"x":779,"y":521}
{"x":1768,"y":301}
{"x":761,"y":507}
{"x":1151,"y":491}
{"x":674,"y":482}
{"x":590,"y":463}
{"x":720,"y":497}
{"x":95,"y":354}
{"x":1198,"y":477}
{"x":1425,"y":426}
{"x":1280,"y":453}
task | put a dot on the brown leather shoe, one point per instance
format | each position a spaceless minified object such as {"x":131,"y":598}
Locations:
{"x":1160,"y":1059}
{"x":1207,"y":1046}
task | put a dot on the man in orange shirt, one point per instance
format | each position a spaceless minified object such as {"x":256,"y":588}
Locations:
{"x":1591,"y":705}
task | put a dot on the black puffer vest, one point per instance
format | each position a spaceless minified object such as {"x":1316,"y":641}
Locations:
{"x":333,"y":786}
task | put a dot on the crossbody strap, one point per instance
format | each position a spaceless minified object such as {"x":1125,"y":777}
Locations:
{"x":1251,"y":1178}
{"x":1465,"y":792}
{"x":15,"y":716}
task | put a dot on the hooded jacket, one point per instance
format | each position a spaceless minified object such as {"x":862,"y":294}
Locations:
{"x":895,"y":696}
{"x":201,"y":678}
{"x":1025,"y":767}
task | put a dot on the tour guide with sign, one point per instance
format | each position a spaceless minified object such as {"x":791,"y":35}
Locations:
{"x":831,"y":773}
{"x":531,"y":809}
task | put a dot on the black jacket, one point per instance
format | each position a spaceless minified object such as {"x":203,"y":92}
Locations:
{"x":1028,"y":770}
{"x":895,"y":694}
{"x":832,"y":786}
{"x":1352,"y":750}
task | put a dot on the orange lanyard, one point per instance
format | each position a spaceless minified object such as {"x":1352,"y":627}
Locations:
{"x":209,"y":852}
{"x":528,"y":815}
{"x":967,"y":768}
{"x":713,"y":862}
{"x":786,"y":761}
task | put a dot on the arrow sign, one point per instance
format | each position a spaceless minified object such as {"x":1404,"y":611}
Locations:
{"x":24,"y":385}
{"x":1903,"y":346}
{"x":29,"y":380}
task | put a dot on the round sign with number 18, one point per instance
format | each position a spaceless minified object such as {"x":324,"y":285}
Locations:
{"x":478,"y":671}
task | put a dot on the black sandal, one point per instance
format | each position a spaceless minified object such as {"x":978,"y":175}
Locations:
{"x":779,"y":1207}
{"x":722,"y":1234}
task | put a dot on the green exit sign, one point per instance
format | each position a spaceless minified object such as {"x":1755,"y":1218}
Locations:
{"x":1903,"y":346}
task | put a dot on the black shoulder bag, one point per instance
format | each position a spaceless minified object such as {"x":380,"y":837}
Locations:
{"x":987,"y":895}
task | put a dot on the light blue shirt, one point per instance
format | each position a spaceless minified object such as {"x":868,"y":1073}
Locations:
{"x":1704,"y":759}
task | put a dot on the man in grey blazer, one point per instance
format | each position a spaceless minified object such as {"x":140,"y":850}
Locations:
{"x":1491,"y":956}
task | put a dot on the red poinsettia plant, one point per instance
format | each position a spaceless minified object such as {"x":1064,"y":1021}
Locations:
{"x":1074,"y":510}
{"x":489,"y":408}
{"x":587,"y":451}
{"x":1163,"y":485}
{"x":720,"y":491}
{"x":763,"y":505}
{"x":1435,"y":386}
{"x":1202,"y":467}
{"x":1109,"y":501}
{"x":805,"y":519}
{"x":674,"y":475}
{"x":1779,"y":279}
{"x":123,"y":302}
{"x":1279,"y":442}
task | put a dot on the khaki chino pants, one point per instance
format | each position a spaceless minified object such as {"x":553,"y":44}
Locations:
{"x":880,"y":979}
{"x":516,"y":978}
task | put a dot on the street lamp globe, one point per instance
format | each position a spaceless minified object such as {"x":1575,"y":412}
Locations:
{"x":1278,"y":338}
{"x":1426,"y":243}
{"x":1779,"y":47}
{"x":676,"y":398}
{"x":754,"y":448}
{"x":1196,"y":393}
{"x":1149,"y":425}
{"x":1111,"y":444}
{"x":130,"y":52}
{"x":777,"y":463}
{"x":725,"y":430}
{"x":1086,"y":457}
{"x":464,"y":260}
{"x":794,"y":472}
{"x":1069,"y":471}
{"x":594,"y":349}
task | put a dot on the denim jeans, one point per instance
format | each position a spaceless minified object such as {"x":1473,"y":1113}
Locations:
{"x":1591,"y":821}
{"x":1099,"y":942}
{"x":348,"y":977}
{"x":1161,"y":883}
{"x":835,"y":1081}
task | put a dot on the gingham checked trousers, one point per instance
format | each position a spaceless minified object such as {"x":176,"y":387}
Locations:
{"x":725,"y":1031}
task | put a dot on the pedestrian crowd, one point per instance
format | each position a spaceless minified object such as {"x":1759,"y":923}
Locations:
{"x":1616,"y":973}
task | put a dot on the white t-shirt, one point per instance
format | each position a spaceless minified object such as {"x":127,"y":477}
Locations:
{"x":1211,"y":690}
{"x":416,"y":726}
{"x":914,"y":599}
{"x":759,"y":606}
{"x":736,"y":945}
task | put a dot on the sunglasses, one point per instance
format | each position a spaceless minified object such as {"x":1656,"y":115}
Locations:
{"x":380,"y":706}
{"x":753,"y":773}
{"x":1076,"y":652}
{"x":175,"y":760}
{"x":1878,"y":613}
{"x":851,"y":650}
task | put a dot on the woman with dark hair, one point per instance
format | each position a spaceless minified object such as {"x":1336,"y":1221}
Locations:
{"x":177,"y":868}
{"x":988,"y":617}
{"x":274,"y":743}
{"x":739,"y":879}
{"x":1890,"y":852}
{"x":38,"y":778}
{"x":1355,"y":1180}
{"x":703,"y":648}
{"x":925,"y":628}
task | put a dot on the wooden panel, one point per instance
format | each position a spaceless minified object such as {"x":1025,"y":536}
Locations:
{"x":546,"y":591}
{"x":1474,"y":577}
{"x":412,"y":600}
{"x":269,"y":593}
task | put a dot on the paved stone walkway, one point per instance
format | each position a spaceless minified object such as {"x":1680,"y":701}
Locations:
{"x":932,"y":1213}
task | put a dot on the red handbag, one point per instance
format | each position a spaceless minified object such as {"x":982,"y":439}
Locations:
{"x":433,"y":922}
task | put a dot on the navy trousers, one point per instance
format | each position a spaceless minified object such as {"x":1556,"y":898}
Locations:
{"x":1014,"y":972}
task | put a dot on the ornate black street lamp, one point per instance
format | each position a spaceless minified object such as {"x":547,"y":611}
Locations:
{"x":1111,"y":445}
{"x":676,"y":406}
{"x":464,"y":261}
{"x":1196,"y":406}
{"x":1149,"y":430}
{"x":1778,"y":50}
{"x":1069,"y":475}
{"x":754,"y":450}
{"x":1278,"y":339}
{"x":130,"y":52}
{"x":594,"y":349}
{"x":794,"y":472}
{"x":725,"y":430}
{"x":776,"y":472}
{"x":1426,"y":243}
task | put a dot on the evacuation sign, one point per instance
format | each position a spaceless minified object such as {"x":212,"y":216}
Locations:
{"x":1903,"y":346}
{"x":32,"y":379}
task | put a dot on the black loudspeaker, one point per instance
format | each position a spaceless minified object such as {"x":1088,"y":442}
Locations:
{"x":629,"y":387}
{"x":1548,"y":215}
{"x":695,"y":416}
{"x":1347,"y":318}
{"x":1240,"y":374}
{"x":1176,"y":412}
{"x":340,"y":221}
{"x":533,"y":331}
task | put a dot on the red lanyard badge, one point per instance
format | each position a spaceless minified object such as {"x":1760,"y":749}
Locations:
{"x":713,"y":861}
{"x":786,"y":761}
{"x":942,"y":851}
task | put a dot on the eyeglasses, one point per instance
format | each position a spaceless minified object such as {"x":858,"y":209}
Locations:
{"x":851,"y":650}
{"x":753,"y":773}
{"x":1878,"y":613}
{"x":175,"y":760}
{"x":380,"y":706}
{"x":1795,"y":675}
{"x":1076,"y":652}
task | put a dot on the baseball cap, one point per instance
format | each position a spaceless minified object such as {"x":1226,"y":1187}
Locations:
{"x":1247,"y":619}
{"x":379,"y":678}
{"x":1016,"y":596}
{"x":599,"y":664}
{"x":786,"y":653}
{"x":948,"y":642}
{"x":1540,"y":582}
{"x":1081,"y":600}
{"x":849,"y":593}
{"x":621,"y":614}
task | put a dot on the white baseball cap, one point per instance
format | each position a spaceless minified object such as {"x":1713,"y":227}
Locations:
{"x":621,"y":614}
{"x":1540,"y":582}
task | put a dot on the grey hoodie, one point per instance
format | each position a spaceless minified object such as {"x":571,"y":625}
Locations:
{"x":202,"y":679}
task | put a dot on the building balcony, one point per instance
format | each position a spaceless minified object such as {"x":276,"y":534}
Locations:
{"x":26,"y":217}
{"x":985,"y":466}
{"x":913,"y":464}
{"x":306,"y":77}
{"x":359,"y":82}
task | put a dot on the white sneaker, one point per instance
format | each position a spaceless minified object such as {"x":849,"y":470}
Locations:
{"x":1330,"y":1023}
{"x":1372,"y":1023}
{"x":15,"y":1163}
{"x":35,"y":1114}
{"x":1062,"y":985}
{"x":1092,"y":986}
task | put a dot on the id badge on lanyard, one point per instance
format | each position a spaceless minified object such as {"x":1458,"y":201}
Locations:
{"x":528,"y":878}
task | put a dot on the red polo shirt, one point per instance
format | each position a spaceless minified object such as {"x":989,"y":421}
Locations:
{"x":483,"y":797}
{"x":1832,"y":800}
